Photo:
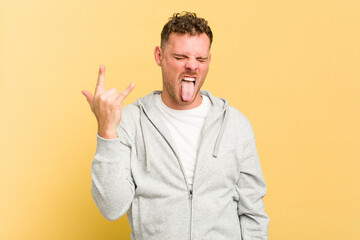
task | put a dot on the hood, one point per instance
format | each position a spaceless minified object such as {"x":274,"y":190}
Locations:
{"x":150,"y":112}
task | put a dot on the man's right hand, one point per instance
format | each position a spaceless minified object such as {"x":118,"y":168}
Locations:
{"x":107,"y":106}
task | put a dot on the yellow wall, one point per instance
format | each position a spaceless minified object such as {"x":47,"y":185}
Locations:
{"x":292,"y":67}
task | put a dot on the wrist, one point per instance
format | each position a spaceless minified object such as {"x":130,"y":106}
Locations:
{"x":108,"y":134}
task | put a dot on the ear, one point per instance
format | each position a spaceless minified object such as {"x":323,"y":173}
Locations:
{"x":158,"y":55}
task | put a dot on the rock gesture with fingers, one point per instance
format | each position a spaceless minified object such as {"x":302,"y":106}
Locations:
{"x":107,"y":106}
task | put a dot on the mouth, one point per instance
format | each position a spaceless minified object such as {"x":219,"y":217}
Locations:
{"x":189,"y":79}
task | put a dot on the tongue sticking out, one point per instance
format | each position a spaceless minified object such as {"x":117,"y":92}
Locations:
{"x":187,"y":90}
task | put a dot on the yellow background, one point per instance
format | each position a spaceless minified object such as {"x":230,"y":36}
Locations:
{"x":292,"y":67}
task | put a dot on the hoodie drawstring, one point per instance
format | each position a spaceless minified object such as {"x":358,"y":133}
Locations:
{"x":143,"y":129}
{"x":143,"y":120}
{"x":221,"y":134}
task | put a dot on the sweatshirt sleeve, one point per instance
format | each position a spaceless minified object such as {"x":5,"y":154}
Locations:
{"x":112,"y":186}
{"x":251,"y":189}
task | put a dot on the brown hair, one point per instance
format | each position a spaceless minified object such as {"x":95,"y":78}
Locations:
{"x":185,"y":23}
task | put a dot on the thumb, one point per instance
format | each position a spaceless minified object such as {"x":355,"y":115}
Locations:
{"x":88,"y":95}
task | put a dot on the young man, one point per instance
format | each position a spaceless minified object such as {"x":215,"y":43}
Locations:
{"x":180,"y":162}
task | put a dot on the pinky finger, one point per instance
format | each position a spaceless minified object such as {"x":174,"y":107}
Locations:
{"x":128,"y":90}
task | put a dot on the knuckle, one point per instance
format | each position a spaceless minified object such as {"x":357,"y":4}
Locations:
{"x":114,"y":105}
{"x":102,"y":97}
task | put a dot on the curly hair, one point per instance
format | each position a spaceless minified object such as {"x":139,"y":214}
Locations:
{"x":185,"y":23}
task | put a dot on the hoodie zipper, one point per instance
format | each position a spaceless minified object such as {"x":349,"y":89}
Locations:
{"x":191,"y":211}
{"x":196,"y":163}
{"x":190,"y":191}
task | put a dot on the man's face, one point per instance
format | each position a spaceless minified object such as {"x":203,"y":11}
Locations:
{"x":184,"y":62}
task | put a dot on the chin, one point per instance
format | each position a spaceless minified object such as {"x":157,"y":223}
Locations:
{"x":184,"y":103}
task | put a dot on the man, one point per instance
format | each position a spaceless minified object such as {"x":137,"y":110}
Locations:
{"x":180,"y":162}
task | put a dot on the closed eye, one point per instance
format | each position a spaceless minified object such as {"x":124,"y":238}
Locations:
{"x":179,"y":56}
{"x":202,"y":60}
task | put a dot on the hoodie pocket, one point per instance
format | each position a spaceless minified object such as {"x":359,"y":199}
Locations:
{"x":152,"y":217}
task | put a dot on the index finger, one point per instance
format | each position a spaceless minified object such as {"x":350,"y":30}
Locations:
{"x":100,"y":85}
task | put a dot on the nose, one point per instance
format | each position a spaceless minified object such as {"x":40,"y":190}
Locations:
{"x":191,"y":64}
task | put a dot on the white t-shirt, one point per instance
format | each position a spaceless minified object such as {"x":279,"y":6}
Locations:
{"x":185,"y":127}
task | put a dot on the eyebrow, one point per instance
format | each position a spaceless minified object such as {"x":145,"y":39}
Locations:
{"x":179,"y":55}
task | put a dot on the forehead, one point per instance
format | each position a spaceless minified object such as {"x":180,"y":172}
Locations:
{"x":187,"y":44}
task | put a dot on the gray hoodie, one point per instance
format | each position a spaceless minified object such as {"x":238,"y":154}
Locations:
{"x":140,"y":174}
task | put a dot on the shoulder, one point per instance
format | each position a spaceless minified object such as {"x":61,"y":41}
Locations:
{"x":131,"y":112}
{"x":239,"y":122}
{"x":237,"y":115}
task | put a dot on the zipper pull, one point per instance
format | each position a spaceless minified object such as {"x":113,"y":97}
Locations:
{"x":191,"y":192}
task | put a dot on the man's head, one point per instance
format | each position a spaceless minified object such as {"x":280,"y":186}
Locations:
{"x":184,"y":58}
